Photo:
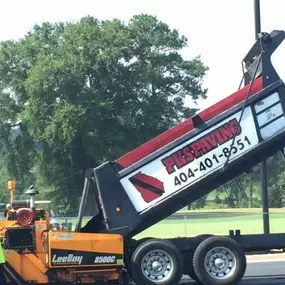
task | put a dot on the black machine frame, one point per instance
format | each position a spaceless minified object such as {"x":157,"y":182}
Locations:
{"x":127,"y":222}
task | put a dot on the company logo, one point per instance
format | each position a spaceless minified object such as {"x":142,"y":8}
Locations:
{"x":149,"y":187}
{"x":105,"y":259}
{"x":73,"y":259}
{"x":201,"y":146}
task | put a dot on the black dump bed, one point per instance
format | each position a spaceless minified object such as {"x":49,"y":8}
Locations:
{"x":186,"y":162}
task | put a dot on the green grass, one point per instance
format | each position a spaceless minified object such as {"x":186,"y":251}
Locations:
{"x":248,"y":224}
{"x":251,"y":224}
{"x":239,"y":210}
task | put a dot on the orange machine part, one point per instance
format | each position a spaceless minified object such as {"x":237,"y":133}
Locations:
{"x":28,"y":266}
{"x":94,"y":243}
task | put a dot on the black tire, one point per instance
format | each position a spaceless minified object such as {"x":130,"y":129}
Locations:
{"x":193,"y":276}
{"x":197,"y":240}
{"x":163,"y":250}
{"x":231,"y":256}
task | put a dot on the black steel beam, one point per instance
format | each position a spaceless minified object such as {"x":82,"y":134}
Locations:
{"x":250,"y":243}
{"x":263,"y":172}
{"x":265,"y":210}
{"x":257,"y":18}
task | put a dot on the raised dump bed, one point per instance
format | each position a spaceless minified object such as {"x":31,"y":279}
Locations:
{"x":195,"y":157}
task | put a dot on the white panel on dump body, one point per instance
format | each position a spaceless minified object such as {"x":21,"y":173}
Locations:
{"x":273,"y":128}
{"x":173,"y":172}
{"x":269,"y":114}
{"x":268,"y":101}
{"x":268,"y":110}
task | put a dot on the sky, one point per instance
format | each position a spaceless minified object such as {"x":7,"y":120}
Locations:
{"x":220,"y":31}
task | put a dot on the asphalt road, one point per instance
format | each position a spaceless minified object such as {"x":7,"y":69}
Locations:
{"x":258,"y":273}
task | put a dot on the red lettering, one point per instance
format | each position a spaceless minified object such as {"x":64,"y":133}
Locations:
{"x":180,"y":161}
{"x":205,"y":147}
{"x":202,"y":146}
{"x":196,"y":146}
{"x":211,"y":140}
{"x":188,"y":154}
{"x":216,"y":134}
{"x":235,"y":127}
{"x":226,"y":133}
{"x":169,"y":164}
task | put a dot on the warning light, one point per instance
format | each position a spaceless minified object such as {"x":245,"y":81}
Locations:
{"x":11,"y":184}
{"x":118,"y":209}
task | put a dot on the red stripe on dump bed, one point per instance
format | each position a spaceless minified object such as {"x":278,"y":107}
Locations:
{"x":185,"y":127}
{"x":149,"y":187}
{"x":150,"y":180}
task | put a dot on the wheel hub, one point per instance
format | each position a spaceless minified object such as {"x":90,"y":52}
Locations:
{"x":157,"y":265}
{"x":220,"y":262}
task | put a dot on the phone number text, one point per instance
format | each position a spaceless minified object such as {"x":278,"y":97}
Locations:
{"x":210,"y":162}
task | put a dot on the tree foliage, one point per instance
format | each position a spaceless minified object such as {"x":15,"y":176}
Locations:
{"x":246,"y":190}
{"x":89,"y":91}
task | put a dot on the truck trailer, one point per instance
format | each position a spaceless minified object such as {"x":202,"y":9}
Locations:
{"x":152,"y":182}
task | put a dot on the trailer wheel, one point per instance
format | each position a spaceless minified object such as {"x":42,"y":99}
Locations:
{"x":198,"y":239}
{"x":219,"y":261}
{"x":156,"y":262}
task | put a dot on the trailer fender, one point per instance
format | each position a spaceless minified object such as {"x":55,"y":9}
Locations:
{"x":156,"y":261}
{"x":219,"y":261}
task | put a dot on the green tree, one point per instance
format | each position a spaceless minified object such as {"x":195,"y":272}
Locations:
{"x":198,"y":204}
{"x":246,"y":191}
{"x":276,"y":180}
{"x":90,"y":91}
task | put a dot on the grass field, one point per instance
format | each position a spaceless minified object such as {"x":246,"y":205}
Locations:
{"x":239,"y":210}
{"x":248,"y":224}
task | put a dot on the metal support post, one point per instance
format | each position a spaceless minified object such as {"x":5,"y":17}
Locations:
{"x":263,"y":174}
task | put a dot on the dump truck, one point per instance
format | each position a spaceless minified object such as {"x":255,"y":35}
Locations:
{"x":150,"y":183}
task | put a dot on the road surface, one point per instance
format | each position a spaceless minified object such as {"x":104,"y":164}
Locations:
{"x":258,"y":272}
